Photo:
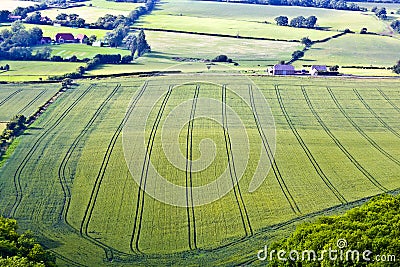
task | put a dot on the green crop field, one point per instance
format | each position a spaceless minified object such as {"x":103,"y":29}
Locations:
{"x":242,"y":13}
{"x":13,"y":4}
{"x":82,"y":50}
{"x":336,"y":142}
{"x":23,"y":99}
{"x":366,"y":50}
{"x":35,"y":70}
{"x":110,"y":5}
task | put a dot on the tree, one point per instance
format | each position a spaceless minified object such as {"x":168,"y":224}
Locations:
{"x":297,"y":54}
{"x":35,"y":35}
{"x":396,"y":68}
{"x":310,"y":22}
{"x":131,"y":43}
{"x":34,"y":18}
{"x":126,"y":59}
{"x":142,"y":47}
{"x":7,"y":67}
{"x":4,"y":15}
{"x":92,"y":38}
{"x":364,"y":30}
{"x":334,"y":68}
{"x":16,"y":26}
{"x":306,"y":41}
{"x":62,"y":16}
{"x":298,"y":22}
{"x":282,"y":20}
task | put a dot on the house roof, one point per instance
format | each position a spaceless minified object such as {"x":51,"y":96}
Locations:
{"x":81,"y":36}
{"x":319,"y":67}
{"x":65,"y":36}
{"x":283,"y":67}
{"x":14,"y":17}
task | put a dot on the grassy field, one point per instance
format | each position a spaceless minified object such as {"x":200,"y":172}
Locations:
{"x":244,"y":13}
{"x":336,"y":142}
{"x":366,"y":50}
{"x":82,"y":50}
{"x":2,"y":126}
{"x":13,"y":4}
{"x":110,"y":5}
{"x":23,"y":99}
{"x":34,"y":70}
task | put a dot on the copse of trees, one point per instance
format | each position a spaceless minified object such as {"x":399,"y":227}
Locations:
{"x":297,"y":54}
{"x":381,"y":13}
{"x":396,"y":25}
{"x":297,"y":22}
{"x":138,"y":45}
{"x":13,"y":129}
{"x":396,"y":68}
{"x":71,"y":20}
{"x":374,"y":226}
{"x":21,"y":249}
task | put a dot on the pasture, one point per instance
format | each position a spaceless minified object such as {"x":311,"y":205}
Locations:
{"x":2,"y":126}
{"x":244,"y":13}
{"x":335,"y":142}
{"x":82,"y":50}
{"x":23,"y":99}
{"x":35,"y":70}
{"x":366,"y":50}
{"x":13,"y":4}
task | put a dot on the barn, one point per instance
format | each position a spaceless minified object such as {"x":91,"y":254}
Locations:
{"x":315,"y":69}
{"x":65,"y":38}
{"x":281,"y":69}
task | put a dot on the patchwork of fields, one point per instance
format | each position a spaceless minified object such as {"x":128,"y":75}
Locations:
{"x":334,"y":142}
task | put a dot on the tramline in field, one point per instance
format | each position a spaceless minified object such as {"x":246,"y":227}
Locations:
{"x":236,"y":158}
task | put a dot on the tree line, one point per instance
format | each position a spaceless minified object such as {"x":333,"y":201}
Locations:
{"x":13,"y":129}
{"x":297,"y":22}
{"x":21,"y":11}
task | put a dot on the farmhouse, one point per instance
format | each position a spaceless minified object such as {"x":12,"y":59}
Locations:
{"x":281,"y":69}
{"x":316,"y":69}
{"x":65,"y":38}
{"x":81,"y":37}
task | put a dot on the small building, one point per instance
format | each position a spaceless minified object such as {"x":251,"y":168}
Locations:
{"x":318,"y":69}
{"x":14,"y":18}
{"x":65,"y":38}
{"x":281,"y":69}
{"x":81,"y":38}
{"x":45,"y":40}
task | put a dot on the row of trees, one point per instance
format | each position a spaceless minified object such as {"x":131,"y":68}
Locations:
{"x":21,"y":11}
{"x":298,"y":22}
{"x":21,"y":249}
{"x":15,"y":43}
{"x":138,"y":45}
{"x":13,"y":129}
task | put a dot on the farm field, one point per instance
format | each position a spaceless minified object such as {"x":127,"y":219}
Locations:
{"x":334,"y":142}
{"x":121,"y":6}
{"x":12,"y":4}
{"x":23,"y":99}
{"x":366,"y":50}
{"x":2,"y":126}
{"x":82,"y":51}
{"x":34,"y":70}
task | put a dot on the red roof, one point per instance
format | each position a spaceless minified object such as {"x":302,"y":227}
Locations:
{"x":65,"y":36}
{"x":283,"y":67}
{"x":81,"y":36}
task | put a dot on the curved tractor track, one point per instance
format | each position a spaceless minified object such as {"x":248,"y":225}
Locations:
{"x":388,"y":100}
{"x":307,"y":151}
{"x":28,"y":156}
{"x":9,"y":97}
{"x":340,"y":145}
{"x":189,"y":179}
{"x":100,"y":175}
{"x":359,"y":130}
{"x":134,"y":243}
{"x":32,"y":101}
{"x":271,"y":158}
{"x":231,"y":163}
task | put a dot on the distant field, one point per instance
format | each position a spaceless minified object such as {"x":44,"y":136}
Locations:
{"x":208,"y":47}
{"x":89,"y":14}
{"x":82,"y":50}
{"x":358,"y":50}
{"x":121,"y":6}
{"x":229,"y":27}
{"x":51,"y":31}
{"x":23,"y":99}
{"x":2,"y":126}
{"x":12,"y":4}
{"x":33,"y":70}
{"x":331,"y":19}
